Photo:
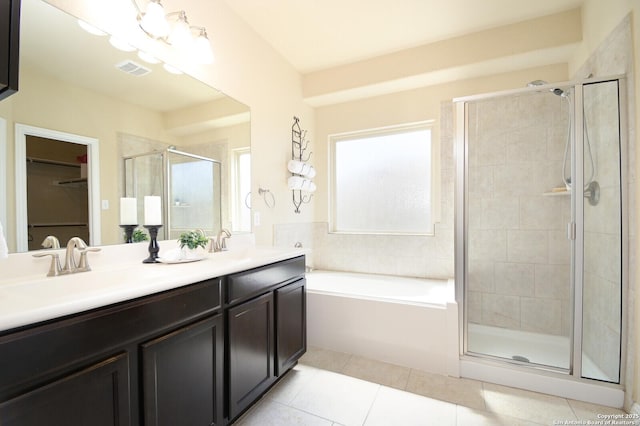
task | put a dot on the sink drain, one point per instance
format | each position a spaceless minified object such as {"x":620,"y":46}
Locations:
{"x":520,"y":358}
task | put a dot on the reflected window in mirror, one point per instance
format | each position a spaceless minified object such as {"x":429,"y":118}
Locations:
{"x":241,"y":189}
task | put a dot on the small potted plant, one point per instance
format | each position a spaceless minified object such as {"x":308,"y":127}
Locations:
{"x":190,"y":241}
{"x":139,"y":236}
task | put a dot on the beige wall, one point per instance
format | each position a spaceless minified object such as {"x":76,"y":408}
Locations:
{"x":53,"y":104}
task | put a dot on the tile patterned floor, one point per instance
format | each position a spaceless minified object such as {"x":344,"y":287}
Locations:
{"x":329,"y":388}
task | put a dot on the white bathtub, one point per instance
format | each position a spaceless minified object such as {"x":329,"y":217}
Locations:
{"x":404,"y":321}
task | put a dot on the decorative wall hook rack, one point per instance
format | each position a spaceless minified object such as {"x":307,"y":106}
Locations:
{"x":297,"y":183}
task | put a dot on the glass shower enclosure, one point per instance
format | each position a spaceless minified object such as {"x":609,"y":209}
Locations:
{"x":188,"y":184}
{"x":540,"y":226}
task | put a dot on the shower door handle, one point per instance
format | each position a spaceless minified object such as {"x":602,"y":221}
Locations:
{"x":571,"y":231}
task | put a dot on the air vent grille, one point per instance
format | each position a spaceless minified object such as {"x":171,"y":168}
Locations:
{"x":133,"y":68}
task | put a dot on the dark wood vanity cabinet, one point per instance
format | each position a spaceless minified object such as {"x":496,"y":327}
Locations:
{"x":251,"y":352}
{"x":9,"y":46}
{"x":196,"y":355}
{"x":266,"y":329}
{"x":291,"y":325}
{"x":97,"y":395}
{"x":147,"y":361}
{"x":182,"y":376}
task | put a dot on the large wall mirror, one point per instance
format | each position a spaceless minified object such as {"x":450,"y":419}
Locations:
{"x":77,"y":87}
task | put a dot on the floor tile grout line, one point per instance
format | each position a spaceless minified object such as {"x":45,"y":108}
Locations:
{"x":572,"y":409}
{"x":484,"y":399}
{"x":375,"y":398}
{"x":406,"y":384}
{"x":304,"y":411}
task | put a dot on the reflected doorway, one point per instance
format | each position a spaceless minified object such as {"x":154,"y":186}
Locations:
{"x":34,"y":143}
{"x":57,"y":193}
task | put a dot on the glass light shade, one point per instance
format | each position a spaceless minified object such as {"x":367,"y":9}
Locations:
{"x":121,"y":44}
{"x":180,"y":36}
{"x":202,"y":49}
{"x":148,"y":58}
{"x":154,"y":21}
{"x":90,"y":28}
{"x":171,"y":69}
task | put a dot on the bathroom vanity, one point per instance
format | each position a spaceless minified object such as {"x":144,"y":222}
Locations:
{"x":199,"y":354}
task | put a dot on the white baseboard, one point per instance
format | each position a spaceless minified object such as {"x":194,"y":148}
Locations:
{"x":548,"y":383}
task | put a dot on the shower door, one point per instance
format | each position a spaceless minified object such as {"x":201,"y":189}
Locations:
{"x":189,"y":185}
{"x":524,"y":234}
{"x":194,"y":194}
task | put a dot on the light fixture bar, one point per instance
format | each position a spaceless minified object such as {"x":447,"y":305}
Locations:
{"x":174,"y":29}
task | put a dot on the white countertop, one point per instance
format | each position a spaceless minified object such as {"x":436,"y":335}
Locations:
{"x":28,"y":298}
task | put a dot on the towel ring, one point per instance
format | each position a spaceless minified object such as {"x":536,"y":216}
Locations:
{"x":264,"y":193}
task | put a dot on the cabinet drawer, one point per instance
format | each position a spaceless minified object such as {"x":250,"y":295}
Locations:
{"x":56,"y":346}
{"x":243,"y":285}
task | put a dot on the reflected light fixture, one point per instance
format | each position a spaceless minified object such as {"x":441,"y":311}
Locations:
{"x":174,"y":29}
{"x":121,"y":44}
{"x":90,"y":28}
{"x":147,"y":57}
{"x":171,"y":69}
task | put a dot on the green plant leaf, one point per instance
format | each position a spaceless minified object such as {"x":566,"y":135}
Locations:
{"x":193,"y":240}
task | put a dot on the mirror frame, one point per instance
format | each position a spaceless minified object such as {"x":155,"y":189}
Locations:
{"x":3,"y":176}
{"x":93,"y":179}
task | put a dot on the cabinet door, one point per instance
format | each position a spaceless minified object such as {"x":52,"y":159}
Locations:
{"x":183,"y":376}
{"x":9,"y":45}
{"x":291,"y":325}
{"x":250,"y":352}
{"x":97,"y":395}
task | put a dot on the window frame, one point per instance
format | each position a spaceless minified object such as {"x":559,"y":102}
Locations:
{"x":394,"y":129}
{"x":238,"y":200}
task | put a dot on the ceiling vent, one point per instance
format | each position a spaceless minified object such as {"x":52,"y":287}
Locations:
{"x":133,"y":68}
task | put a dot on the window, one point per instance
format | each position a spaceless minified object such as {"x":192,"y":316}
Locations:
{"x":382,"y":180}
{"x":241,"y":188}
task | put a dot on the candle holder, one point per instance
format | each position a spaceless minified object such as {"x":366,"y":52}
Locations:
{"x":154,"y":248}
{"x":128,"y":232}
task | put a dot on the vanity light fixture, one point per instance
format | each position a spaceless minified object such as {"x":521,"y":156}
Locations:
{"x":120,"y":44}
{"x":153,"y":20}
{"x":171,"y":69}
{"x":174,"y":29}
{"x":90,"y":28}
{"x":147,"y":57}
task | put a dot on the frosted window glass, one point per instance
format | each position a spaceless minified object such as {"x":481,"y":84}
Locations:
{"x":382,"y":183}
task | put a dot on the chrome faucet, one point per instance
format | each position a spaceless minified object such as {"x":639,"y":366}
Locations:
{"x":220,"y":243}
{"x":51,"y":242}
{"x":70,"y":265}
{"x":54,"y":268}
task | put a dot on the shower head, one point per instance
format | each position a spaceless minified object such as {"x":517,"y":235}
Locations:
{"x":559,"y":92}
{"x":535,"y":83}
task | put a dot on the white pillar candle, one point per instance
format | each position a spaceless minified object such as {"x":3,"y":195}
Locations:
{"x":152,"y":210}
{"x":128,"y":211}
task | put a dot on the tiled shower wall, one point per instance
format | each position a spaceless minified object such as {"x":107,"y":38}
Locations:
{"x":519,"y":255}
